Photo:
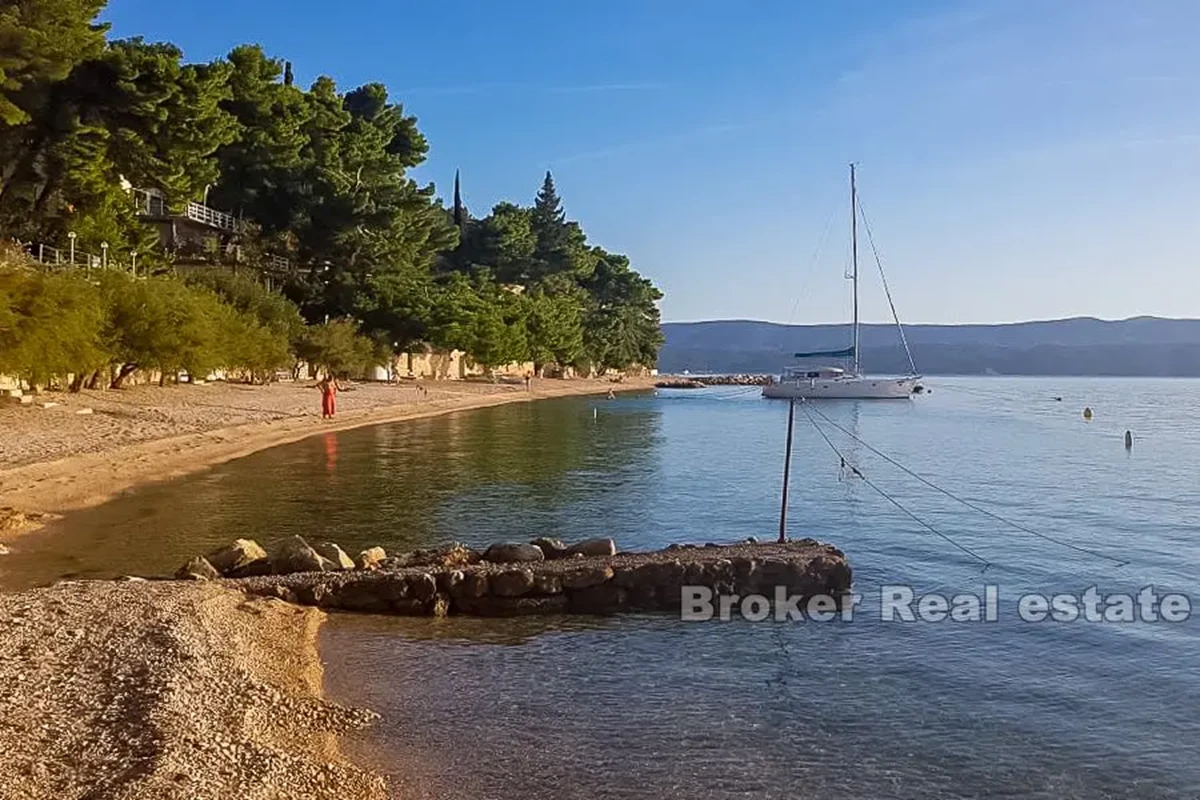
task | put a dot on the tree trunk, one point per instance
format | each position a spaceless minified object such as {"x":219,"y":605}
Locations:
{"x":125,"y":372}
{"x":77,"y":383}
{"x":94,"y":380}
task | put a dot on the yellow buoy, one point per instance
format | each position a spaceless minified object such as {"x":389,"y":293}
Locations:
{"x":1087,"y":412}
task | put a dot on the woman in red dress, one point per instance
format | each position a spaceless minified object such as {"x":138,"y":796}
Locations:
{"x":329,"y":387}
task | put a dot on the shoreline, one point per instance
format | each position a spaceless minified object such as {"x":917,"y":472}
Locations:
{"x":83,"y":479}
{"x":209,"y":676}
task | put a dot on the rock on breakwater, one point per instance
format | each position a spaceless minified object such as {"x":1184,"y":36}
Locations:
{"x":596,"y":584}
{"x":701,"y":381}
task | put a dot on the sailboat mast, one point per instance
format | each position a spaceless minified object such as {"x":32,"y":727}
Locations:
{"x":854,"y":262}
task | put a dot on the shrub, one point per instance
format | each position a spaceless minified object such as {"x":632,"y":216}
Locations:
{"x":50,"y":324}
{"x":336,"y":348}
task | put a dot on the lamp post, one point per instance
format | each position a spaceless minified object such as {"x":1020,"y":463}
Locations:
{"x":104,"y":255}
{"x":71,"y":239}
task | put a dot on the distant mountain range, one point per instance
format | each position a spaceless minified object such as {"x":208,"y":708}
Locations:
{"x":1140,"y":346}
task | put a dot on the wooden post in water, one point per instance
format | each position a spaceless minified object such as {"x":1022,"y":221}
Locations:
{"x":787,"y":468}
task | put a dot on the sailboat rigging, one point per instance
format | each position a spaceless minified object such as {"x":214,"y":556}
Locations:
{"x":835,"y":382}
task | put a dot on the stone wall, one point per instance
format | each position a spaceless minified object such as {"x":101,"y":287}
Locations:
{"x":462,"y":581}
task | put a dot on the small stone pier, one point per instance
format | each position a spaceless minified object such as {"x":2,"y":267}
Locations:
{"x":550,"y":578}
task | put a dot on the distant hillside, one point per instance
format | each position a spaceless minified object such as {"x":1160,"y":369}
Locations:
{"x":1141,"y":346}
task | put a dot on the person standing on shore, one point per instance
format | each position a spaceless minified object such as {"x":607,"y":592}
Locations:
{"x":329,"y":387}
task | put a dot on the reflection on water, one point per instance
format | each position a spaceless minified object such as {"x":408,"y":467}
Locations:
{"x":500,"y":473}
{"x":645,"y":706}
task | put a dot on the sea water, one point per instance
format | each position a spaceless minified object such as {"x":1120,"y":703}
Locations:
{"x":651,"y":706}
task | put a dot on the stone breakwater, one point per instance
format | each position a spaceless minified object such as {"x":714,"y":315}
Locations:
{"x":701,"y":381}
{"x":542,"y":577}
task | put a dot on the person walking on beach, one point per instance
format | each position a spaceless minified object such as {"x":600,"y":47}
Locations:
{"x":329,"y":387}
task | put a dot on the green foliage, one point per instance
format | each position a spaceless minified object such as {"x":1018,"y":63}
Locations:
{"x":320,"y":176}
{"x":50,"y":324}
{"x":41,"y":41}
{"x":621,"y":324}
{"x":336,"y":348}
{"x":555,"y":327}
{"x":247,"y":295}
{"x":162,"y":324}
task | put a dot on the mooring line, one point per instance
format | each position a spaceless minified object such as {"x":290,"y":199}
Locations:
{"x":858,"y":472}
{"x":969,"y":504}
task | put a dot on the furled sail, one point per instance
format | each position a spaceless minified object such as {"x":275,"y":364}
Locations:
{"x":846,"y":353}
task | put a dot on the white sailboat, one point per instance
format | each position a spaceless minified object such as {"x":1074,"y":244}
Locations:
{"x":836,"y":382}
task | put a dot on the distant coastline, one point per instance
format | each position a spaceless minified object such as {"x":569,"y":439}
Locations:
{"x":1081,"y":346}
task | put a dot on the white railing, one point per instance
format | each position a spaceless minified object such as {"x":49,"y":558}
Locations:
{"x":210,"y":216}
{"x":149,"y":204}
{"x":57,"y":256}
{"x":75,"y":257}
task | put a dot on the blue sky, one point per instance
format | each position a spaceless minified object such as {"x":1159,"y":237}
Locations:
{"x":1017,"y":160}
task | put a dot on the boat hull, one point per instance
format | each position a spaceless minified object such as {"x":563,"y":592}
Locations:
{"x":856,"y":388}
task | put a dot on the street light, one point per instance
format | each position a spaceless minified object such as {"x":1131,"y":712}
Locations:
{"x":104,"y":255}
{"x":71,"y":237}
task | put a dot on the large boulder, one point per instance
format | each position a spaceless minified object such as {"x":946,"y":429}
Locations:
{"x":548,"y":583}
{"x":293,"y":554}
{"x":552,"y":548}
{"x":586,"y":577}
{"x":370,"y":558}
{"x":197,"y":569}
{"x":335,"y":554}
{"x":511,"y":583}
{"x":593,"y":547}
{"x":235,"y":556}
{"x":513,"y":553}
{"x":466,"y":587}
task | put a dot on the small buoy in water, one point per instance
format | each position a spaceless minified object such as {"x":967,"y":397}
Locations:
{"x":1128,"y":440}
{"x":1087,"y":412}
{"x":1058,"y":399}
{"x":595,"y":412}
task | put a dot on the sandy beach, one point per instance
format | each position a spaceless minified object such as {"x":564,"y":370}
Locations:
{"x":54,"y":459}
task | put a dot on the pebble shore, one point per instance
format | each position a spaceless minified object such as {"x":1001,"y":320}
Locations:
{"x":121,"y":690}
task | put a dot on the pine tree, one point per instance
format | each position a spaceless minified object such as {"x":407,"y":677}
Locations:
{"x":549,"y":222}
{"x":547,"y":208}
{"x":41,"y":42}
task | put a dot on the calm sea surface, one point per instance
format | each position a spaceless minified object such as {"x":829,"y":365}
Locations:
{"x":648,"y":706}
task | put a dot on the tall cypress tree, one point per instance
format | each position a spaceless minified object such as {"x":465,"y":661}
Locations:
{"x":458,"y":206}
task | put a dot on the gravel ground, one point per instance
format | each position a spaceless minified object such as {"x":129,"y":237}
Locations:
{"x":167,"y":690}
